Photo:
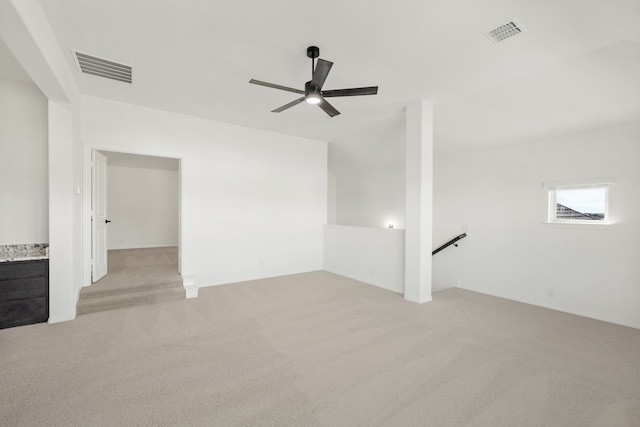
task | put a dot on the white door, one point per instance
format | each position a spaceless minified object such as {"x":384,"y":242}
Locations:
{"x":99,"y":215}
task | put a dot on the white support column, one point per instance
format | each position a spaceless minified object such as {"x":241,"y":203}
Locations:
{"x":419,"y":202}
{"x":62,"y":293}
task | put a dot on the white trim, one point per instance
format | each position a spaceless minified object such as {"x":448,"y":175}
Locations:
{"x":561,"y":310}
{"x":579,"y":225}
{"x":364,"y":280}
{"x":552,"y":205}
{"x":190,"y":287}
{"x":87,"y":213}
{"x":589,"y":182}
{"x":365,"y":229}
{"x":419,"y":301}
{"x":59,"y":319}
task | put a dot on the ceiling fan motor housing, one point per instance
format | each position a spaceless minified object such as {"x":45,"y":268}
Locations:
{"x":313,"y":52}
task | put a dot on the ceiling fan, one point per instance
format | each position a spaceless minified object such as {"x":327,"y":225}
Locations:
{"x":313,"y":93}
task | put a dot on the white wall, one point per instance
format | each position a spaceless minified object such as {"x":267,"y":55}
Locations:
{"x":331,"y":198}
{"x":253,"y":202}
{"x":24,"y":196}
{"x":64,"y":216}
{"x":510,"y":252}
{"x":143,"y":207}
{"x":370,"y":255}
{"x":25,"y":31}
{"x":370,"y":182}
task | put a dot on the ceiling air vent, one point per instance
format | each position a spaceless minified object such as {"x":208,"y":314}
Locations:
{"x":503,"y":32}
{"x":104,"y":68}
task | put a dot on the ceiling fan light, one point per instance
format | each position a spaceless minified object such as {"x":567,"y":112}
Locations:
{"x":312,"y":98}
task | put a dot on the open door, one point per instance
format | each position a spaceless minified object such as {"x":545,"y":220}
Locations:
{"x":99,"y":215}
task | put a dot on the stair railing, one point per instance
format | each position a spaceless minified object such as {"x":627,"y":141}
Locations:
{"x":449,"y":243}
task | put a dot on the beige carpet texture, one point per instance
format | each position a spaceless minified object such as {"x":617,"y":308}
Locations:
{"x":317,"y":349}
{"x":135,"y":277}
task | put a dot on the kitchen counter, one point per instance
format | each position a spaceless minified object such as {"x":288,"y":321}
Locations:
{"x":24,"y":252}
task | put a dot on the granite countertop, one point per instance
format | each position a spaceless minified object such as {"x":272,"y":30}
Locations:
{"x":24,"y":252}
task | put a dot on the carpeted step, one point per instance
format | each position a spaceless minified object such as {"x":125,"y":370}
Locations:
{"x":113,"y":300}
{"x":122,"y":258}
{"x":135,"y":277}
{"x":117,"y":285}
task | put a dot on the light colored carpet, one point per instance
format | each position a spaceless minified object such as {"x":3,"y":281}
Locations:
{"x":135,"y":277}
{"x":318,"y":349}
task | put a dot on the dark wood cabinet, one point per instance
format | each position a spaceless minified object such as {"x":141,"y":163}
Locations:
{"x":24,"y":293}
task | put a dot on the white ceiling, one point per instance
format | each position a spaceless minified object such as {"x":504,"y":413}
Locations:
{"x":575,"y":66}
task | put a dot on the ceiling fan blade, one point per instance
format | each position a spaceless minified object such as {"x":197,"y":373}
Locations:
{"x":275,"y":86}
{"x":321,"y":72}
{"x":289,"y":105}
{"x":328,"y":108}
{"x":357,"y":91}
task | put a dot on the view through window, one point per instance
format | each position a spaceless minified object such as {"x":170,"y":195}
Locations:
{"x":580,"y":204}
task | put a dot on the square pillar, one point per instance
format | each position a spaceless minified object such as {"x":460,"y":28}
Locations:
{"x":62,"y":291}
{"x":419,"y":202}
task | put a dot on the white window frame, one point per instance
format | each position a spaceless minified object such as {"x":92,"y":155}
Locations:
{"x":552,"y":188}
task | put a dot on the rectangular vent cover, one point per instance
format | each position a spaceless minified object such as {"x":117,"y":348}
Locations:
{"x":101,"y":67}
{"x":504,"y":32}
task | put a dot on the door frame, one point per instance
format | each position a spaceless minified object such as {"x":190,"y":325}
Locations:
{"x":98,"y":216}
{"x":86,"y":205}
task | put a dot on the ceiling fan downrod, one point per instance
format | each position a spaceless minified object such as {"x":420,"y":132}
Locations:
{"x":313,"y":52}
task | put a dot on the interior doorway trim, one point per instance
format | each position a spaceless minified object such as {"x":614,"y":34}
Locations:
{"x":189,"y":281}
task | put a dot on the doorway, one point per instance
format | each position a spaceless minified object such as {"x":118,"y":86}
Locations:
{"x":138,"y":207}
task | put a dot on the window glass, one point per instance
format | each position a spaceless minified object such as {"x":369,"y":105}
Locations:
{"x":583,"y":204}
{"x":586,"y":204}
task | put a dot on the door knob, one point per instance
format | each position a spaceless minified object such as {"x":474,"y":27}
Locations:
{"x":107,"y":221}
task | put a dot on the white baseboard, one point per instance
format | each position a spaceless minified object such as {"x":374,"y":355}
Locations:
{"x":189,"y":284}
{"x":59,"y":319}
{"x":561,"y":309}
{"x":365,"y":280}
{"x":422,"y":300}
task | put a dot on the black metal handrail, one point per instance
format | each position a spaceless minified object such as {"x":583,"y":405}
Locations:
{"x":449,"y":243}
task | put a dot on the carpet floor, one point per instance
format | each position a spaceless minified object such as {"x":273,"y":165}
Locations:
{"x":317,"y":349}
{"x":136,"y":277}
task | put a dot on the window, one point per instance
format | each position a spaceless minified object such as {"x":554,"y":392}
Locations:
{"x":579,"y":203}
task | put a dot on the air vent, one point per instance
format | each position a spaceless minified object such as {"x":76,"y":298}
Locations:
{"x":101,"y":67}
{"x":503,"y":32}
